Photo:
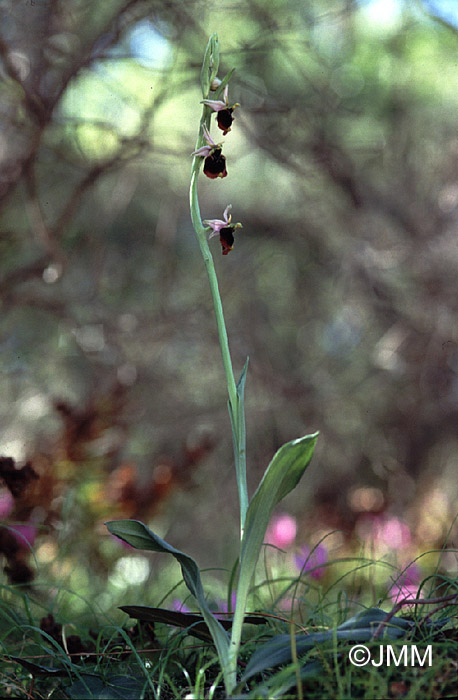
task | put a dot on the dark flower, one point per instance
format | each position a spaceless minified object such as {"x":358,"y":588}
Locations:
{"x":215,"y":162}
{"x":224,"y":229}
{"x":226,"y":238}
{"x":224,"y":111}
{"x":224,"y":119}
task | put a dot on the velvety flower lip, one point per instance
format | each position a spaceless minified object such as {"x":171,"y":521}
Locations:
{"x":224,"y":229}
{"x":215,"y":164}
{"x":226,"y":238}
{"x":224,"y":120}
{"x":224,"y":111}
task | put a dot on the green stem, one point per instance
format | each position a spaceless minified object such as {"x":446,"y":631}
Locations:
{"x":236,"y":631}
{"x":216,"y":297}
{"x":236,"y":411}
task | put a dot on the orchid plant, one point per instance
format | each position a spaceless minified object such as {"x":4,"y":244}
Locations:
{"x":290,"y":461}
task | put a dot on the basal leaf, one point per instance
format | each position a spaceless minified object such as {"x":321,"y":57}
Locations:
{"x":371,"y":618}
{"x":194,"y":623}
{"x":38,"y":670}
{"x":109,"y":688}
{"x":358,"y":628}
{"x":139,"y":536}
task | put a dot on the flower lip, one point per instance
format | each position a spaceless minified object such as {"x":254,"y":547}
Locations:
{"x":224,"y":119}
{"x":215,"y":164}
{"x":226,"y":238}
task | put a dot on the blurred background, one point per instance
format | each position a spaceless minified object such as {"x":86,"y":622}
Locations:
{"x":342,"y":286}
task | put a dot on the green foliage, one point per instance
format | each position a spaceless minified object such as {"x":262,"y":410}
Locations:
{"x":360,"y":627}
{"x":152,"y":666}
{"x":342,"y":285}
{"x":138,"y":535}
{"x":113,"y":687}
{"x":281,"y":477}
{"x":194,"y":624}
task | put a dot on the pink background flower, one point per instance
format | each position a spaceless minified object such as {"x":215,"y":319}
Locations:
{"x":281,"y":531}
{"x":25,"y":534}
{"x":308,"y":560}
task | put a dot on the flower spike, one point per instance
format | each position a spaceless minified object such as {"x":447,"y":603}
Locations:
{"x":223,"y":111}
{"x":224,"y":229}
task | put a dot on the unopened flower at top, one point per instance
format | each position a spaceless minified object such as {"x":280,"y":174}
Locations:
{"x":224,"y":229}
{"x":215,"y":162}
{"x":223,"y":111}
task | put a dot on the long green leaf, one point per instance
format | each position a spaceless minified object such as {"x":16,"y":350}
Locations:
{"x":108,"y":688}
{"x":281,"y":476}
{"x":359,"y":628}
{"x":139,"y":536}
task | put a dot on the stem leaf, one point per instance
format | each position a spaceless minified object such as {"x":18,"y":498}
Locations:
{"x":281,"y":476}
{"x":242,"y":380}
